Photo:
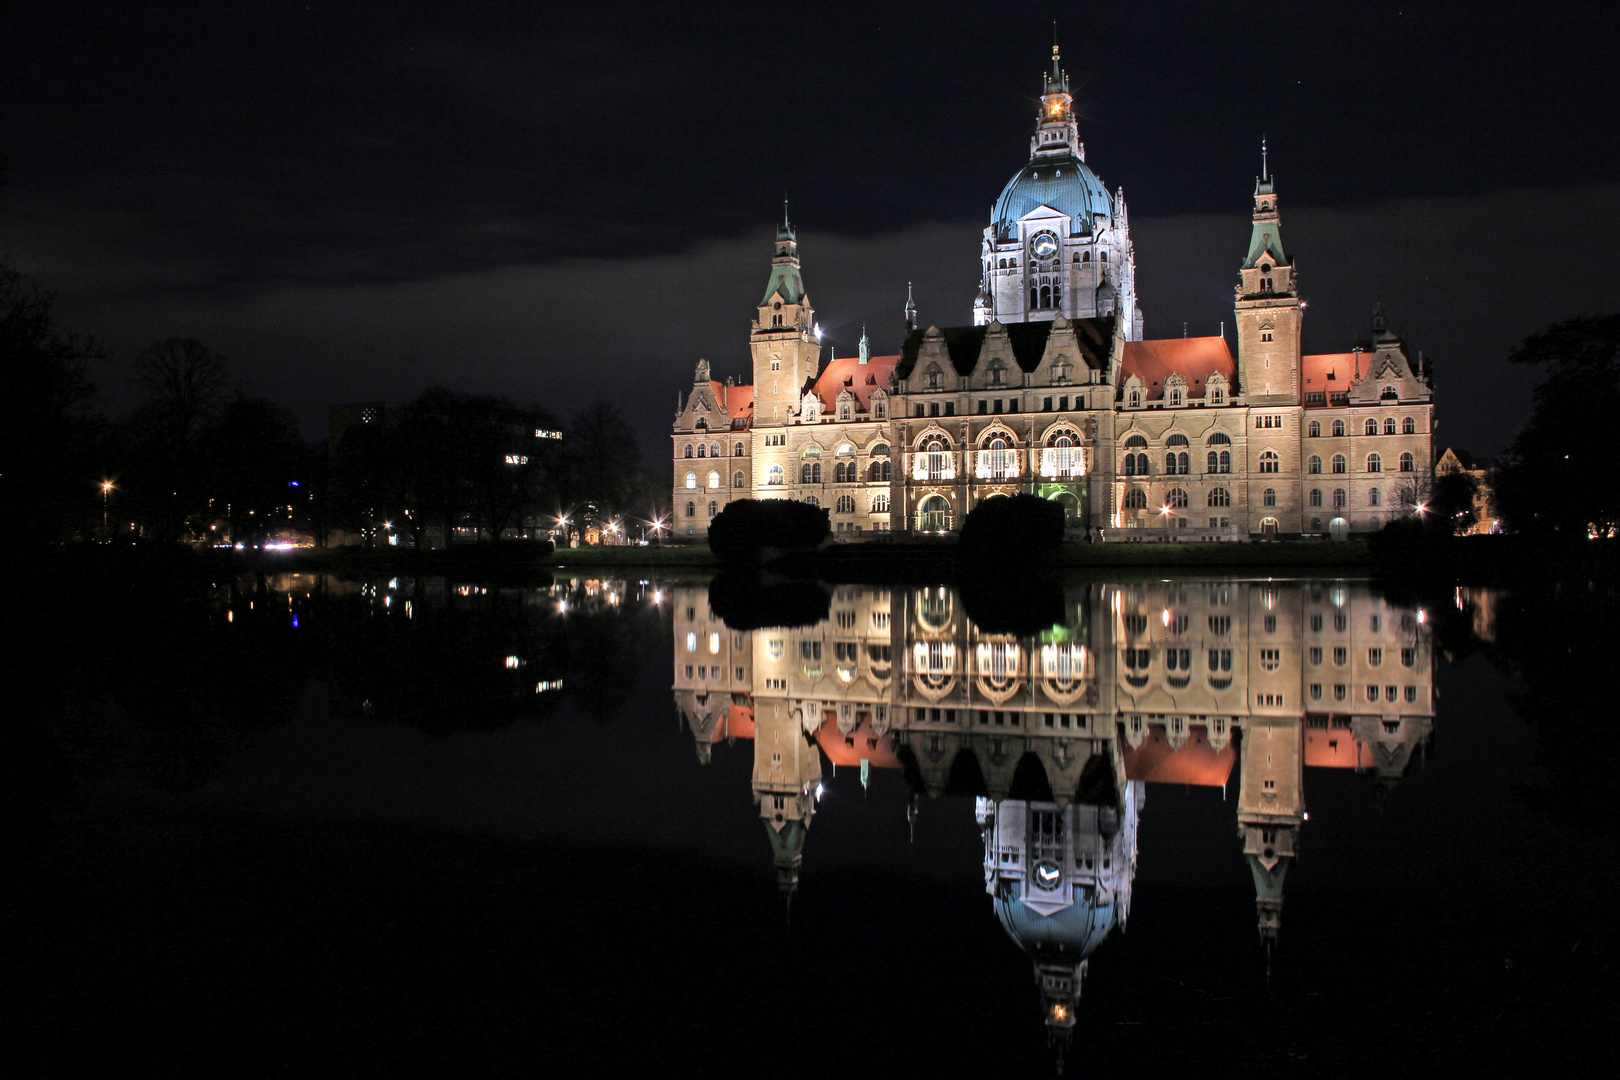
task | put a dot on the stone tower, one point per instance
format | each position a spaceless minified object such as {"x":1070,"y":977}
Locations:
{"x":1271,"y":805}
{"x":1267,"y":308}
{"x":787,"y":772}
{"x":784,"y":341}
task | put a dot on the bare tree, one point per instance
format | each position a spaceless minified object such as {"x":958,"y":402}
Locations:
{"x":187,"y":387}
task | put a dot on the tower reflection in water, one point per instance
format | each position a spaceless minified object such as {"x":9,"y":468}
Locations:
{"x":1059,"y":735}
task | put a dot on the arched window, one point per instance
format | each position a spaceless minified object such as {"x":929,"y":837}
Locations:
{"x":1177,"y":439}
{"x":1340,"y":463}
{"x":1340,"y":499}
{"x":1370,"y":427}
{"x":1136,"y":399}
{"x":714,"y":450}
{"x":1313,"y":430}
{"x":1316,"y":496}
{"x":1375,"y":497}
{"x":1313,"y":465}
{"x":714,"y":480}
{"x":1220,"y":497}
{"x":689,"y":450}
{"x":1409,"y":426}
{"x":846,"y":504}
{"x":1375,"y":463}
{"x":736,"y":480}
{"x":1389,"y":425}
{"x":714,"y":508}
{"x":773,"y":475}
{"x":1269,"y":497}
{"x":1338,"y":428}
{"x":880,"y":448}
{"x":879,"y":471}
{"x":1225,"y":462}
{"x":691,"y":509}
{"x":1136,"y":499}
{"x":1135,"y":442}
{"x":737,"y":451}
{"x":700,"y":450}
{"x":839,"y":473}
{"x":1177,"y":499}
{"x":1408,"y":462}
{"x":691,"y":480}
{"x":1170,"y":464}
{"x":1220,"y":438}
{"x":811,"y":500}
{"x":1269,"y":462}
{"x":1085,"y":256}
{"x":880,"y":504}
{"x":1175,"y":395}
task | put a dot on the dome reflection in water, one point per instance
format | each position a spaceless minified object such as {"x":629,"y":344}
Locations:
{"x":1059,"y":735}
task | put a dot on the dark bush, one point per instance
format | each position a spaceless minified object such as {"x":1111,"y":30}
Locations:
{"x":747,"y":527}
{"x":1016,"y":525}
{"x":746,"y":600}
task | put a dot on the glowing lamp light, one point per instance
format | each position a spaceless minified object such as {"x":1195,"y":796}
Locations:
{"x":821,"y":789}
{"x":1423,"y":616}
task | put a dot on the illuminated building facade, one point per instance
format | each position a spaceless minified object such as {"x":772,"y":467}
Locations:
{"x":1052,"y":390}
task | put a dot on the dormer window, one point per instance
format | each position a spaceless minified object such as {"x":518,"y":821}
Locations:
{"x":932,"y":377}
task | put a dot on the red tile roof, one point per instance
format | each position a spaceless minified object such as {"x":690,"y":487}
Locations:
{"x":861,"y":743}
{"x":1329,"y":373}
{"x":737,"y":400}
{"x":862,"y":379}
{"x":1156,"y":762}
{"x":1336,"y":748}
{"x":1192,"y":358}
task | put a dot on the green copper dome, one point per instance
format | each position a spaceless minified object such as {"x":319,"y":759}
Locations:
{"x":1064,"y":183}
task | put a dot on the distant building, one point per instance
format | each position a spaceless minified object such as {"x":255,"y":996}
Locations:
{"x":1486,"y":519}
{"x":1053,"y":391}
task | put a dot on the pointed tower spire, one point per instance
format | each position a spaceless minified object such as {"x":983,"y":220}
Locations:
{"x":866,"y":350}
{"x":911,"y":310}
{"x":1265,"y":174}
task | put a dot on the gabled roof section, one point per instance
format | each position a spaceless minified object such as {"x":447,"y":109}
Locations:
{"x":1194,"y":359}
{"x":1028,"y":340}
{"x":848,"y":373}
{"x":1329,"y":374}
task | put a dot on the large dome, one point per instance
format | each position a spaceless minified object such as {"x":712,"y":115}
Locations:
{"x":1064,"y":183}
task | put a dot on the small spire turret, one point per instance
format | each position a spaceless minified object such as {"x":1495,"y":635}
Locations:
{"x":911,"y":310}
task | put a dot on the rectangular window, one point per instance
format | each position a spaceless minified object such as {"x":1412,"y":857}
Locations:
{"x":1316,"y":655}
{"x":1063,"y":404}
{"x":1316,"y":691}
{"x":1047,"y":405}
{"x":1408,"y":658}
{"x":1375,"y":656}
{"x":1411,"y":694}
{"x":950,"y":408}
{"x":920,"y":412}
{"x":933,"y":409}
{"x":984,"y":407}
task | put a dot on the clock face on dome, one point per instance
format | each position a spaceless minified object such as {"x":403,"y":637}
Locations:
{"x":1044,"y":245}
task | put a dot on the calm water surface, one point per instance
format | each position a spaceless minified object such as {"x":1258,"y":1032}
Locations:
{"x":313,"y":826}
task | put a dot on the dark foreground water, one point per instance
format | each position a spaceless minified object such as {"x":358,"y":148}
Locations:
{"x":1217,"y":827}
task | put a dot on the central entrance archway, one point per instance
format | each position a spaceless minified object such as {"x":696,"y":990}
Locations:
{"x":1338,"y":529}
{"x":934,"y":515}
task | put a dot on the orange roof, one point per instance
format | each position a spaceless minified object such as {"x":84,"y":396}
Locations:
{"x":738,"y":401}
{"x":1192,"y":358}
{"x":860,"y":378}
{"x":849,"y":749}
{"x":1329,"y":373}
{"x":1336,"y":748}
{"x":737,"y":724}
{"x":1196,"y":763}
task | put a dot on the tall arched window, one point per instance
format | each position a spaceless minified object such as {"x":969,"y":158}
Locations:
{"x":1136,"y":499}
{"x":774,"y":474}
{"x":1269,"y":497}
{"x":1269,"y":462}
{"x":1338,"y":428}
{"x":880,"y":504}
{"x":1408,"y":462}
{"x":1316,"y":496}
{"x":1370,"y":427}
{"x":1375,"y":463}
{"x":1389,"y":425}
{"x":714,"y":508}
{"x":691,"y":509}
{"x":688,"y":449}
{"x":691,"y":480}
{"x":1375,"y":497}
{"x":1340,"y":463}
{"x":1340,"y":499}
{"x":737,"y":451}
{"x":714,"y":480}
{"x":1177,"y":499}
{"x":1220,"y":497}
{"x":846,"y":504}
{"x":1314,"y":464}
{"x":737,"y":480}
{"x":700,"y":449}
{"x":1313,"y":430}
{"x":1409,"y":426}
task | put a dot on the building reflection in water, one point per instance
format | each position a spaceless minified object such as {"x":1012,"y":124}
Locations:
{"x":1058,"y":736}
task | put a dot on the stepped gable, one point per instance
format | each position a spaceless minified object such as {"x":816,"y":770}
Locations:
{"x":1194,"y":359}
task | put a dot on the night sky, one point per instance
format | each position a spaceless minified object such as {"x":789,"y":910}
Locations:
{"x":552,"y":203}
